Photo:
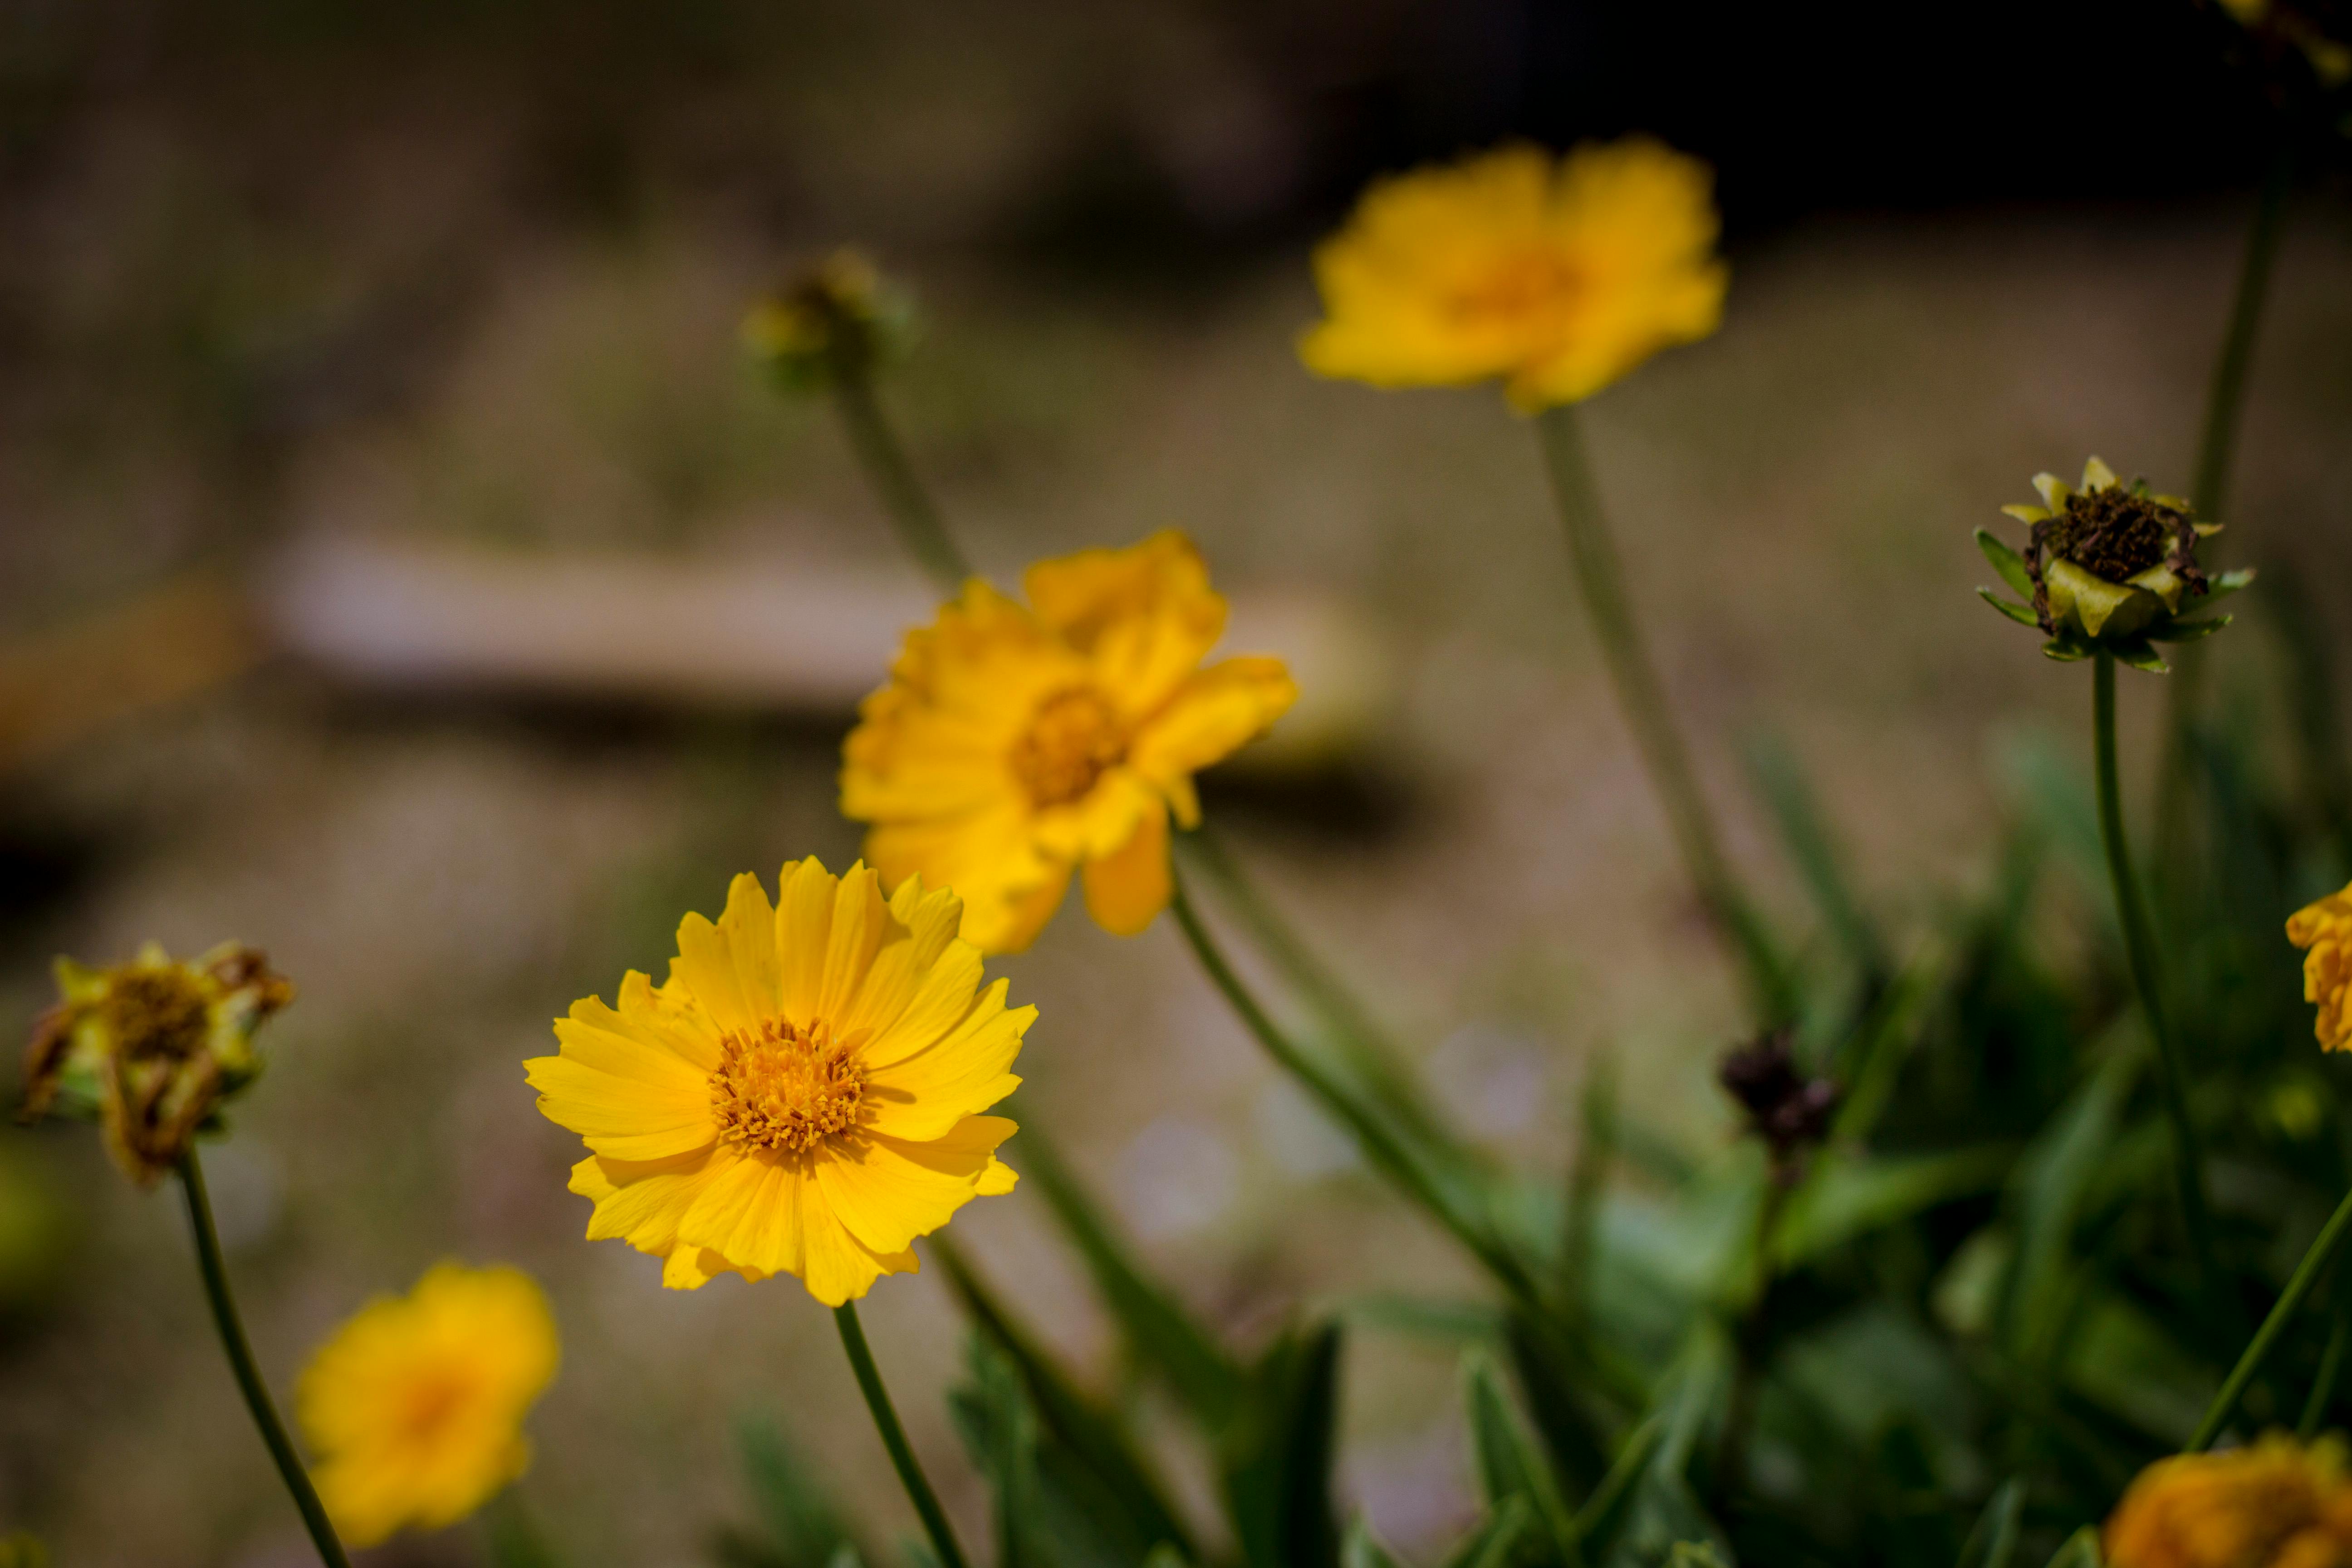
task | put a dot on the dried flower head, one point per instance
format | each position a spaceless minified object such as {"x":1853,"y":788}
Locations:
{"x":2107,"y":567}
{"x":2300,"y":53}
{"x":1789,"y":1112}
{"x":2276,"y":1504}
{"x":837,"y":321}
{"x":151,"y":1048}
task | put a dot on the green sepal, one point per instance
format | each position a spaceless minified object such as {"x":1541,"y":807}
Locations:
{"x":2017,"y":612}
{"x":2139,"y":656}
{"x":2228,"y":583}
{"x":2066,"y":648}
{"x":2190,"y":631}
{"x":2007,"y":562}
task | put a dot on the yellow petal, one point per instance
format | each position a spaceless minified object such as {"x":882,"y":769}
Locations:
{"x":2053,"y":491}
{"x":889,"y":1191}
{"x":1145,"y":617}
{"x":2028,"y":514}
{"x":1215,"y":714}
{"x":1127,"y":890}
{"x":801,"y":936}
{"x":2098,"y":476}
{"x":626,"y":1118}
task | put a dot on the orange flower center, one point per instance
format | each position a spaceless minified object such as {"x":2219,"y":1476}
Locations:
{"x":1528,"y":283}
{"x":785,"y":1090}
{"x":427,"y":1403}
{"x":1072,"y":740}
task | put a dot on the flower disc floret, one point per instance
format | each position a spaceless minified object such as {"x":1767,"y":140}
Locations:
{"x":1017,"y":744}
{"x":1555,"y":275}
{"x":414,"y":1408}
{"x":804,"y":1094}
{"x":2107,"y":567}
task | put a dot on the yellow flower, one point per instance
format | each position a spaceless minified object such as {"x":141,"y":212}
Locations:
{"x":2324,"y":930}
{"x":151,"y":1048}
{"x":2275,"y":1505}
{"x":1558,"y":276}
{"x":1016,"y":744}
{"x":416,"y":1407}
{"x":802,"y":1095}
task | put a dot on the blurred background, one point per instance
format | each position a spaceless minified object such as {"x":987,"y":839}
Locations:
{"x":401,"y":570}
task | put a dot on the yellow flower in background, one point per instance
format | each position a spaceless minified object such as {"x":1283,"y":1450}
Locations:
{"x":2275,"y":1505}
{"x":1018,"y":743}
{"x":801,"y":1096}
{"x":151,"y":1048}
{"x":1558,"y":276}
{"x":2324,"y":930}
{"x":414,"y":1408}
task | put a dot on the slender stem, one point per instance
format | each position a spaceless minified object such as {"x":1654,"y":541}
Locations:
{"x":1748,"y":1343}
{"x":2331,"y":1366}
{"x":894,"y":1438}
{"x":2139,"y":945}
{"x":1642,"y":698}
{"x":2307,"y":1274}
{"x":515,"y":1538}
{"x":912,"y":513}
{"x":2217,"y":446}
{"x":248,"y":1374}
{"x":1379,"y":1142}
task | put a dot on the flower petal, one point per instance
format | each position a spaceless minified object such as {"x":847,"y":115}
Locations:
{"x":1126,"y":890}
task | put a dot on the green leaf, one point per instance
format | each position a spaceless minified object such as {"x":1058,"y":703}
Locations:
{"x":1497,"y":1541}
{"x":1163,"y":1335}
{"x":2007,"y":562}
{"x":2139,"y":656}
{"x":1796,"y":811}
{"x":1423,"y":1317}
{"x":1510,"y":1466}
{"x":2047,"y":1192}
{"x":1093,"y":1469}
{"x":1993,"y":1542}
{"x":800,"y":1525}
{"x":1871,"y":1064}
{"x":1000,"y":1431}
{"x":1845,"y":1196}
{"x":2022,"y":615}
{"x":2190,"y":631}
{"x":1275,"y":1455}
{"x":2081,"y":1550}
{"x":1363,"y":1550}
{"x":1662,"y":1509}
{"x":1604,"y":1513}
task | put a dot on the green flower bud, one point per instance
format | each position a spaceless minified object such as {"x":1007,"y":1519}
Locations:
{"x":149,"y":1049}
{"x":2108,"y":567}
{"x":839,"y":321}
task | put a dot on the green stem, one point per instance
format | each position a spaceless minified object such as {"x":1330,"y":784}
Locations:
{"x":920,"y":528}
{"x":2307,"y":1274}
{"x":1643,"y":697}
{"x":2139,"y":945}
{"x":2217,"y":447}
{"x":1748,"y":1343}
{"x":2331,"y":1366}
{"x":516,"y":1540}
{"x":1378,"y":1140}
{"x":894,"y":1438}
{"x":248,"y":1374}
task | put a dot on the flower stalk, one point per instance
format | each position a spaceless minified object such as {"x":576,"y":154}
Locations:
{"x":209,"y":1264}
{"x":2307,"y":1274}
{"x":894,"y":1438}
{"x":1641,"y":696}
{"x":2139,"y":946}
{"x":884,"y":460}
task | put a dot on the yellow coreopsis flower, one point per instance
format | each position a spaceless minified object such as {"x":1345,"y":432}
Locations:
{"x":2277,"y":1504}
{"x":801,"y":1096}
{"x":416,"y":1407}
{"x":1557,"y":276}
{"x":1016,"y":744}
{"x":2324,"y":930}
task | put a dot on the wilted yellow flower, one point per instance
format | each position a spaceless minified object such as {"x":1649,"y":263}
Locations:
{"x":2275,"y":1505}
{"x":1018,"y":743}
{"x":839,"y":318}
{"x":2107,"y":567}
{"x":2324,"y":930}
{"x":150,"y":1048}
{"x":416,"y":1407}
{"x":1558,"y":276}
{"x":802,"y":1095}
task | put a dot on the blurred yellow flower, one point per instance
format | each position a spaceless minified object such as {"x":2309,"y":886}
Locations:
{"x":1558,"y":276}
{"x":414,"y":1408}
{"x":151,"y":1048}
{"x":2275,"y":1505}
{"x":2325,"y":930}
{"x":801,"y":1096}
{"x":1014,"y":745}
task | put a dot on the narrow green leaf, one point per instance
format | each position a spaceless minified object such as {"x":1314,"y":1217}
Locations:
{"x":1604,"y":1513}
{"x":1495,"y":1542}
{"x":1797,"y":812}
{"x":1160,"y":1333}
{"x":2081,"y":1550}
{"x":1362,"y":1549}
{"x":1275,"y":1455}
{"x":1993,"y":1540}
{"x":1871,"y":1063}
{"x":1846,"y":1196}
{"x":801,"y":1526}
{"x":2047,"y":1190}
{"x":1423,"y":1317}
{"x":1509,"y":1464}
{"x":2007,"y":562}
{"x":2020,"y":613}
